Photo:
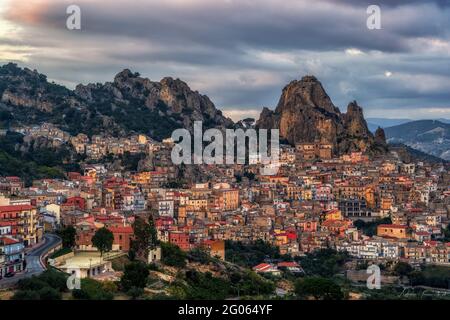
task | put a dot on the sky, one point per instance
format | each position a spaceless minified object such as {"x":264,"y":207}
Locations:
{"x":241,"y":53}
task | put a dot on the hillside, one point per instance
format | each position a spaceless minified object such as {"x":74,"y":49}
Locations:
{"x":429,"y":136}
{"x":128,"y":104}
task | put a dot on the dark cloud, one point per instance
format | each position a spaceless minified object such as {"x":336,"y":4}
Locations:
{"x":241,"y":53}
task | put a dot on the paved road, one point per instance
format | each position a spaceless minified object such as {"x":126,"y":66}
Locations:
{"x":33,"y":258}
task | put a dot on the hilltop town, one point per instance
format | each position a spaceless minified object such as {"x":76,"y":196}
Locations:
{"x":378,"y":209}
{"x":109,"y":205}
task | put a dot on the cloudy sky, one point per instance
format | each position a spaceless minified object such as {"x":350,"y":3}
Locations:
{"x":241,"y":53}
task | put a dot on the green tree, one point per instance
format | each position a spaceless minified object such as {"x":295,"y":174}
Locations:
{"x":135,"y":275}
{"x":199,"y":255}
{"x":323,"y":262}
{"x":135,"y":292}
{"x":145,"y":238}
{"x":172,"y":255}
{"x":68,"y":237}
{"x":153,"y":232}
{"x":91,"y":289}
{"x":26,"y":295}
{"x":103,"y":240}
{"x":447,"y":233}
{"x":318,"y":287}
{"x":48,"y":293}
{"x":205,"y":286}
{"x":403,"y":268}
{"x":46,"y":286}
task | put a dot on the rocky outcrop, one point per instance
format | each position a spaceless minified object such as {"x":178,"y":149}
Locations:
{"x":305,"y":113}
{"x":380,"y":136}
{"x":130,"y":103}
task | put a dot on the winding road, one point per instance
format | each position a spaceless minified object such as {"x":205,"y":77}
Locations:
{"x":33,"y":258}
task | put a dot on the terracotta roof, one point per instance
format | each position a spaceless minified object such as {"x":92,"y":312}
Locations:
{"x":127,"y":229}
{"x":288,"y":264}
{"x":8,"y":240}
{"x":16,"y":208}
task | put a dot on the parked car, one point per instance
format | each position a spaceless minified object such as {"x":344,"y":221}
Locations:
{"x":9,"y":275}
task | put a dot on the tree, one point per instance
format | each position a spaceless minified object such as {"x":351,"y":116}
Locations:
{"x":145,"y":238}
{"x":68,"y":236}
{"x":103,"y":240}
{"x":318,"y":287}
{"x":135,"y":292}
{"x":447,"y":233}
{"x":91,"y":289}
{"x":26,"y":295}
{"x":324,"y":262}
{"x":135,"y":275}
{"x":172,"y":255}
{"x":153,"y":232}
{"x":199,"y":255}
{"x":48,"y":293}
{"x":403,"y":268}
{"x":46,"y":286}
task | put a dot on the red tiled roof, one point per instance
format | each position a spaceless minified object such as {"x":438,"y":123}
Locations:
{"x":13,"y":178}
{"x":288,"y":264}
{"x":262,"y":266}
{"x":8,"y":241}
{"x":16,"y":208}
{"x":127,"y":229}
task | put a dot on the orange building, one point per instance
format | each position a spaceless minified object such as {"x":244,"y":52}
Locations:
{"x":392,"y":231}
{"x":181,"y":239}
{"x":23,"y":221}
{"x":122,"y":237}
{"x":216,"y":248}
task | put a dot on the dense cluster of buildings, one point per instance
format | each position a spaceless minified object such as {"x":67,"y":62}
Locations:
{"x":315,"y":201}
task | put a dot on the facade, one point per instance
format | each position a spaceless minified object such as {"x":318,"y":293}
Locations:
{"x":23,"y":219}
{"x":11,"y":255}
{"x":392,"y":231}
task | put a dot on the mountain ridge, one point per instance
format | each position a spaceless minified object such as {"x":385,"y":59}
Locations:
{"x":429,"y":136}
{"x":129,"y":103}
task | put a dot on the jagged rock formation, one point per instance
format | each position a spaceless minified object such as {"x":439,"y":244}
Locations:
{"x":128,"y":104}
{"x":305,"y":113}
{"x":380,"y":136}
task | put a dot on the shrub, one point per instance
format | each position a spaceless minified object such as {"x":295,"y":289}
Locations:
{"x":172,"y":255}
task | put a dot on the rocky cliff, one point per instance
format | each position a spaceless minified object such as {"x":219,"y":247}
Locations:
{"x":305,"y":113}
{"x":130,"y":103}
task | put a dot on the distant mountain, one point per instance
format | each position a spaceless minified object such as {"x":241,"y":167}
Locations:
{"x":408,"y":154}
{"x":128,"y":104}
{"x":374,"y":123}
{"x":305,"y":113}
{"x":429,"y":136}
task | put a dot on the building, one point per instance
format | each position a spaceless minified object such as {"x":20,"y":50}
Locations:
{"x":122,"y":237}
{"x":392,"y":231}
{"x":180,"y":239}
{"x":216,"y":248}
{"x":24,"y":220}
{"x":11,"y":255}
{"x":311,"y":151}
{"x":354,"y":208}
